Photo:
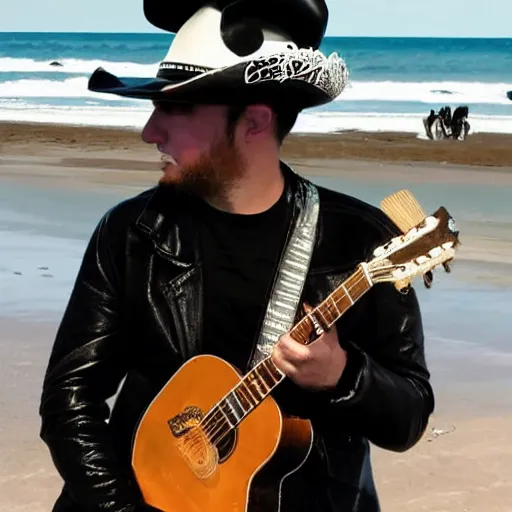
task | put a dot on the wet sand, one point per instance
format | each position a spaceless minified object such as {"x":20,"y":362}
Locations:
{"x":53,"y":190}
{"x":483,"y":149}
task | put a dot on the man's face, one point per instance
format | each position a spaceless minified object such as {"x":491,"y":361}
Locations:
{"x":197,"y":153}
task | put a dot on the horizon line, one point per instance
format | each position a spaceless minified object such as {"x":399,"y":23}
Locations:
{"x":326,"y":35}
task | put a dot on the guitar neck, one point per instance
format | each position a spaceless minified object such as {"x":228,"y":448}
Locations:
{"x":333,"y":307}
{"x":265,"y":376}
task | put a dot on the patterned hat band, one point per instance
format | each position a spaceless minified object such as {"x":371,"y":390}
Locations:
{"x":329,"y":74}
{"x":180,"y":71}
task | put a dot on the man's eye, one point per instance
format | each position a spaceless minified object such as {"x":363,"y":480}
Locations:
{"x":174,"y":108}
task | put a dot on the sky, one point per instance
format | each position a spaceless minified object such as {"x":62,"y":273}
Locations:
{"x":395,"y":18}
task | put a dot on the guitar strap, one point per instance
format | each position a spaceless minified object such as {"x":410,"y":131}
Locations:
{"x":290,"y":279}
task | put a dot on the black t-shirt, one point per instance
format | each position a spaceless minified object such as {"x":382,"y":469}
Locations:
{"x":240,"y":254}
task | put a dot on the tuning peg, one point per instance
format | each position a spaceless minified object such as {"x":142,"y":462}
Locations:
{"x":428,"y":277}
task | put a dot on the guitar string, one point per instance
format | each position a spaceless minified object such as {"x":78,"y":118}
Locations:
{"x":258,"y":393}
{"x":212,"y":427}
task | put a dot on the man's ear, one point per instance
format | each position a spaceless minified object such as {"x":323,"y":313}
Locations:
{"x":259,"y":120}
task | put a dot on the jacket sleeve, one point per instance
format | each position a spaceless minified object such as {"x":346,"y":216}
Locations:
{"x":87,"y":363}
{"x":384,"y":393}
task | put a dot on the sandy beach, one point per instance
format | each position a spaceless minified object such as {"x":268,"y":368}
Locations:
{"x":481,"y":149}
{"x":56,"y":182}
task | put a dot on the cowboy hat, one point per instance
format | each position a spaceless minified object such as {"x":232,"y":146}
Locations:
{"x":229,"y":52}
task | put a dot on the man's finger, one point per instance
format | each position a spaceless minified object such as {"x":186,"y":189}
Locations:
{"x":293,"y":351}
{"x":288,"y":368}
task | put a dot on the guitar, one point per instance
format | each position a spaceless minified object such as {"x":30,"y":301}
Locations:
{"x":215,"y":441}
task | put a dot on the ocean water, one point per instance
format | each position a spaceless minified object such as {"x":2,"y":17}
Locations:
{"x":394,"y":82}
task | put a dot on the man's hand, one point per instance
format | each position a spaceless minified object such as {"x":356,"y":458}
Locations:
{"x":317,"y":366}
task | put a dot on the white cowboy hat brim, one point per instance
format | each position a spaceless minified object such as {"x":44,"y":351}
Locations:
{"x":302,"y":77}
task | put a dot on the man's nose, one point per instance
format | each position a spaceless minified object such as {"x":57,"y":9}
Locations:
{"x":150,"y":132}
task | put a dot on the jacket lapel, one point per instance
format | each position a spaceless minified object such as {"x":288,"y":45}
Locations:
{"x":176,"y":272}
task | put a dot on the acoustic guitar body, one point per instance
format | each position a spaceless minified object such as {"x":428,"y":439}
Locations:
{"x":179,"y":472}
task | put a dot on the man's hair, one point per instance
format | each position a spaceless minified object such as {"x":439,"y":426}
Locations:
{"x":285,"y":120}
{"x":285,"y":117}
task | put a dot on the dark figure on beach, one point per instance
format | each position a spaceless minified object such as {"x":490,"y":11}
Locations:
{"x":431,"y":117}
{"x":460,"y":125}
{"x":437,"y":125}
{"x":445,"y":116}
{"x":211,"y":261}
{"x":443,"y":125}
{"x":428,"y":122}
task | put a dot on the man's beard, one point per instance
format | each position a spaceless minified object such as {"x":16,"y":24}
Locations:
{"x":213,"y":175}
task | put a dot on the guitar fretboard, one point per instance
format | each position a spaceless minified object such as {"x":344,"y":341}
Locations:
{"x":333,"y":307}
{"x":237,"y":404}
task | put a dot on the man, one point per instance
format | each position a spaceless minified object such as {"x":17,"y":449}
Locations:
{"x":428,"y":122}
{"x":192,"y":266}
{"x":460,"y":126}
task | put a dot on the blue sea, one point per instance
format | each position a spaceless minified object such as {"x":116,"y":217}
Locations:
{"x":394,"y":82}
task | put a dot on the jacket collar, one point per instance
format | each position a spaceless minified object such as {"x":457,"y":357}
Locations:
{"x":166,"y":221}
{"x":168,"y":216}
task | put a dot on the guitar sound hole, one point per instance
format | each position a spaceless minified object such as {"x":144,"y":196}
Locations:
{"x":226,"y":445}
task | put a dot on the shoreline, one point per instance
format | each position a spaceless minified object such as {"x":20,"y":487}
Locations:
{"x":481,"y":149}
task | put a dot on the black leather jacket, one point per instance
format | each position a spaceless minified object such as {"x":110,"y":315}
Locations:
{"x":135,"y":312}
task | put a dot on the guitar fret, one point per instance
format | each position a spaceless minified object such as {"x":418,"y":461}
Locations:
{"x":249,"y":393}
{"x":347,"y":294}
{"x":302,"y":330}
{"x":226,"y":415}
{"x":343,"y":303}
{"x":216,"y":414}
{"x":364,"y":271}
{"x":253,"y":384}
{"x":332,"y":308}
{"x":235,"y":406}
{"x":244,"y":388}
{"x":333,"y":302}
{"x":321,"y":313}
{"x":267,"y":377}
{"x":326,"y":313}
{"x":242,"y":396}
{"x":261,"y":380}
{"x":273,"y":372}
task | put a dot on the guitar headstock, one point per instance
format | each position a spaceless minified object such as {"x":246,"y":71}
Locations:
{"x":429,"y":244}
